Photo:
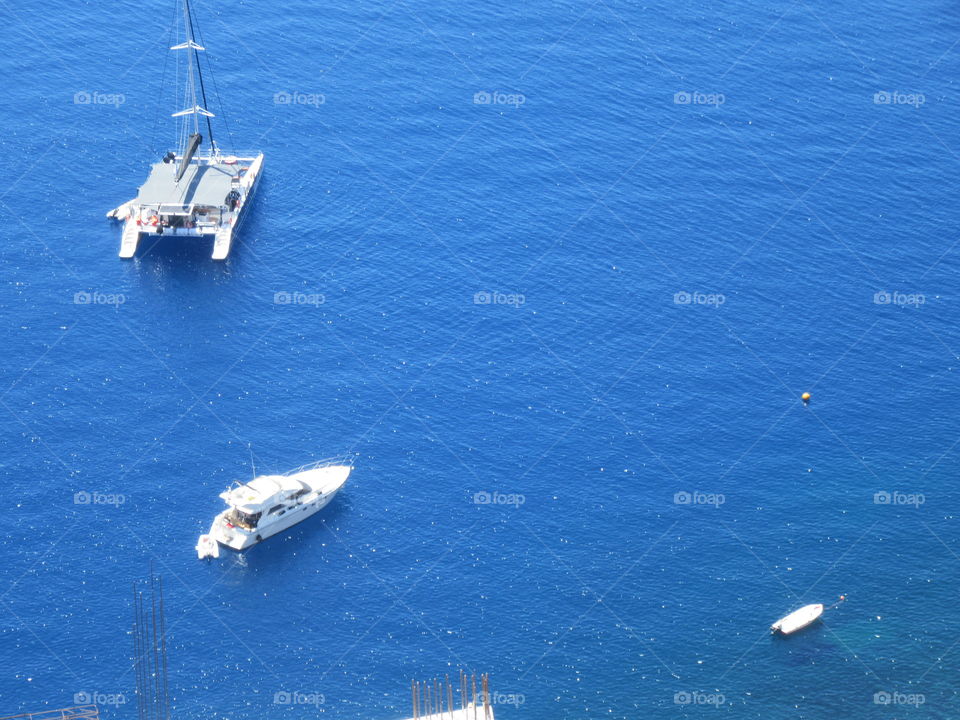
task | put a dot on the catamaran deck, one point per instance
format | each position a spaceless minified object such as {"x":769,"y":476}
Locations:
{"x":201,"y":185}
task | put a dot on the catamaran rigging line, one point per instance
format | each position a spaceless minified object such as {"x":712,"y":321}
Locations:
{"x":191,"y":143}
{"x":196,"y":60}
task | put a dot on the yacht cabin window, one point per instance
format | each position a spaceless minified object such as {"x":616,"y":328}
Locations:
{"x":247,"y":520}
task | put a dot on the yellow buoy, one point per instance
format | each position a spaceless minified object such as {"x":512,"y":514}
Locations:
{"x":805,"y":397}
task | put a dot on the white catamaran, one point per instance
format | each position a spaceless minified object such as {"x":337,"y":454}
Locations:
{"x":193,"y":192}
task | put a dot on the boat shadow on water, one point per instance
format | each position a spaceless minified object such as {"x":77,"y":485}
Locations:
{"x":802,"y":647}
{"x":162,"y":262}
{"x":191,"y":253}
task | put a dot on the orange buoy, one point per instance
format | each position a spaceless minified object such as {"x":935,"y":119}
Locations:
{"x":805,"y":397}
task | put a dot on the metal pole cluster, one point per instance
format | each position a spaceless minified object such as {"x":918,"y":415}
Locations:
{"x":150,"y":650}
{"x":434,"y":699}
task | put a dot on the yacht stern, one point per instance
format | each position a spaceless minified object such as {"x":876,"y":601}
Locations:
{"x":233,"y":536}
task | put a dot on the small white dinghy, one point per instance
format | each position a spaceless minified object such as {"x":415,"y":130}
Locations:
{"x":798,"y":619}
{"x":207,"y":547}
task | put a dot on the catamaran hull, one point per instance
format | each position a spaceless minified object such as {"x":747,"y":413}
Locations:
{"x":237,"y":538}
{"x":133,"y":234}
{"x":253,"y":173}
{"x":221,"y":235}
{"x":224,"y":236}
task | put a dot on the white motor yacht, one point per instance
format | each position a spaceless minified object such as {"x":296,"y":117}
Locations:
{"x":270,"y":504}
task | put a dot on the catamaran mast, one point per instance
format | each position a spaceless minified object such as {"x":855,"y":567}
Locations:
{"x":192,"y":142}
{"x":203,"y":91}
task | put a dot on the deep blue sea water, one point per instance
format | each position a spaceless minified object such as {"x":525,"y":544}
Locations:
{"x":786,"y":201}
